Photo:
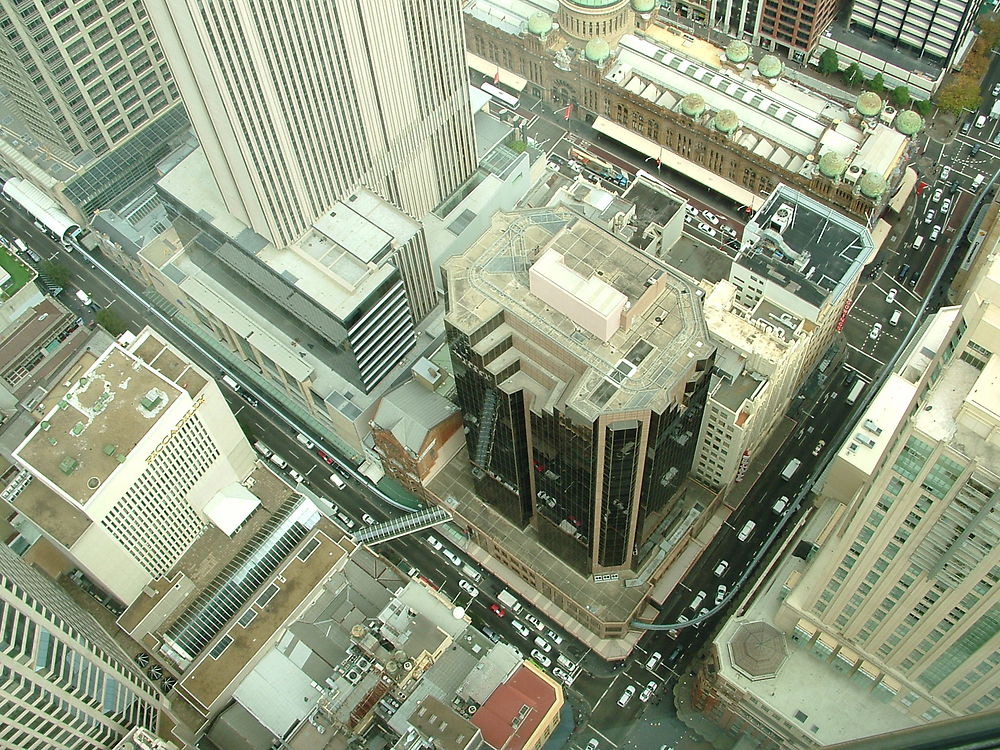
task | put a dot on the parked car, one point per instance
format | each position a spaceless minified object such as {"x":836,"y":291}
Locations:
{"x":554,"y":637}
{"x":626,"y":696}
{"x":929,"y":217}
{"x":498,"y":610}
{"x":937,"y":195}
{"x":710,"y":217}
{"x":720,"y":594}
{"x":647,"y":692}
{"x":819,"y":447}
{"x":935,"y":232}
{"x":519,"y":627}
{"x":561,"y":675}
{"x":721,"y":568}
{"x":541,"y":658}
{"x":946,"y":205}
{"x":468,"y":588}
{"x":891,"y":296}
{"x":653,"y":660}
{"x":534,"y":621}
{"x":432,"y":540}
{"x":945,"y":172}
{"x":706,"y":229}
{"x":876,"y":331}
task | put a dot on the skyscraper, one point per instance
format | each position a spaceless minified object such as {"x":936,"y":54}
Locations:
{"x":296,"y":105}
{"x":83,"y":76}
{"x":582,"y":371}
{"x":63,"y":681}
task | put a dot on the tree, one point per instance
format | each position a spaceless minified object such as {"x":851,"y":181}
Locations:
{"x":58,"y":273}
{"x":962,"y":93}
{"x":111,"y":321}
{"x":852,"y":75}
{"x":989,"y":30}
{"x":900,"y":96}
{"x":877,"y":84}
{"x":924,"y":107}
{"x":829,"y":62}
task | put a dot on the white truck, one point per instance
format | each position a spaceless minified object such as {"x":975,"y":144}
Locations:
{"x":995,"y":110}
{"x":509,"y":601}
{"x":790,"y":469}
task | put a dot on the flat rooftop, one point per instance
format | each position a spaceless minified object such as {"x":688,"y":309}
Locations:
{"x":103,"y":416}
{"x":805,"y":247}
{"x":636,"y":367}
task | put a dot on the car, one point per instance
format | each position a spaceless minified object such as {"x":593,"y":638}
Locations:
{"x":996,"y":139}
{"x":937,"y":195}
{"x":689,"y":218}
{"x":541,"y":658}
{"x":647,"y":692}
{"x":305,"y":441}
{"x":534,"y":621}
{"x":966,"y":127}
{"x":996,"y":89}
{"x":902,"y":272}
{"x":296,"y":476}
{"x":946,"y":205}
{"x":432,"y":540}
{"x":593,"y":744}
{"x":721,"y":568}
{"x":935,"y":232}
{"x":497,"y":610}
{"x":325,"y":456}
{"x":819,"y":446}
{"x":876,"y":330}
{"x":974,"y":149}
{"x":779,"y":505}
{"x":653,"y":660}
{"x":929,"y":217}
{"x":367,"y":519}
{"x":552,"y":166}
{"x":575,"y":165}
{"x":561,"y":674}
{"x":468,"y":588}
{"x":710,"y":217}
{"x":519,"y":627}
{"x":692,"y":210}
{"x":455,"y":559}
{"x":726,"y":229}
{"x":720,"y":594}
{"x":554,"y":637}
{"x":891,"y":296}
{"x":626,"y":696}
{"x":945,"y":172}
{"x":249,"y":398}
{"x":543,"y":644}
{"x":706,"y":229}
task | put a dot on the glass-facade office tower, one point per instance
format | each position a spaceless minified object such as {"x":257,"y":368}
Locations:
{"x":297,"y":104}
{"x":63,"y":681}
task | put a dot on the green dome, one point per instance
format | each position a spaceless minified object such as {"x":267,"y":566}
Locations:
{"x":540,"y":24}
{"x":693,"y":105}
{"x":726,"y":121}
{"x":871,"y":185}
{"x":643,"y":6}
{"x":770,"y":66}
{"x":909,"y":122}
{"x":597,"y":50}
{"x":737,"y":52}
{"x":832,"y":164}
{"x":868,"y":104}
{"x":594,"y":3}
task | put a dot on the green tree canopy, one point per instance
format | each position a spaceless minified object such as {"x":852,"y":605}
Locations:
{"x":924,"y":107}
{"x":852,"y":75}
{"x":111,"y":321}
{"x":829,"y":62}
{"x":57,"y":272}
{"x":877,"y":84}
{"x":962,"y":93}
{"x":900,"y":96}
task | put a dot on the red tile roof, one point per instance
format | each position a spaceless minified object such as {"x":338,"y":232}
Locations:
{"x":496,"y":717}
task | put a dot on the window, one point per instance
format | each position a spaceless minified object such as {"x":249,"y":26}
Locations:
{"x":221,"y":646}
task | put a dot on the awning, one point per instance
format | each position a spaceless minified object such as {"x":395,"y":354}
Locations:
{"x":906,"y":186}
{"x":879,"y":233}
{"x":488,"y":69}
{"x":678,"y":163}
{"x":231,"y":507}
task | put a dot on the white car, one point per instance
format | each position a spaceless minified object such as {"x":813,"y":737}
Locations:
{"x":541,"y":658}
{"x":296,"y":476}
{"x":432,"y":540}
{"x":554,"y":637}
{"x":937,"y":195}
{"x":689,"y":218}
{"x":519,"y":627}
{"x":692,"y":210}
{"x":945,"y":172}
{"x":996,"y":89}
{"x":891,"y":296}
{"x":534,"y":621}
{"x":543,"y":644}
{"x":721,"y":568}
{"x":706,"y":229}
{"x":710,"y":217}
{"x":946,"y":205}
{"x":627,"y":695}
{"x":455,"y":559}
{"x":560,"y":674}
{"x":876,"y":331}
{"x":935,"y":232}
{"x":726,"y":229}
{"x":819,"y":447}
{"x":647,"y":692}
{"x":593,"y":744}
{"x":653,"y":660}
{"x":929,"y":217}
{"x":468,"y":588}
{"x":367,"y":519}
{"x":720,"y":594}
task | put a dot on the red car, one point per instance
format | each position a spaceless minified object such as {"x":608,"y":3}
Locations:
{"x":498,"y":610}
{"x":325,"y":456}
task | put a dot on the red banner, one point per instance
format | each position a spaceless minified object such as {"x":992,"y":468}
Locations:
{"x":568,"y":112}
{"x":843,"y":315}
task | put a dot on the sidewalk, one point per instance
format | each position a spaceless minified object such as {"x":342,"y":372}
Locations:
{"x":696,"y":721}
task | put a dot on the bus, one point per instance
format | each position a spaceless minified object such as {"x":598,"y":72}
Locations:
{"x":599,"y":166}
{"x":501,"y":96}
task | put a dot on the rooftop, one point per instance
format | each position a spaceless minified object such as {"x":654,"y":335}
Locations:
{"x":634,"y":367}
{"x":807,"y":248}
{"x":510,"y":716}
{"x":410,"y":412}
{"x":90,"y":432}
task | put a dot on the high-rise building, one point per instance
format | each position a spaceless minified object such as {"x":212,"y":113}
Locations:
{"x":929,"y":28}
{"x":63,"y":681}
{"x":296,"y":105}
{"x":83,"y":76}
{"x":132,"y":462}
{"x":795,"y":28}
{"x":582,"y":369}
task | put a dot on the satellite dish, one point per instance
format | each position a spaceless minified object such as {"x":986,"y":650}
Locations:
{"x":458,"y":613}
